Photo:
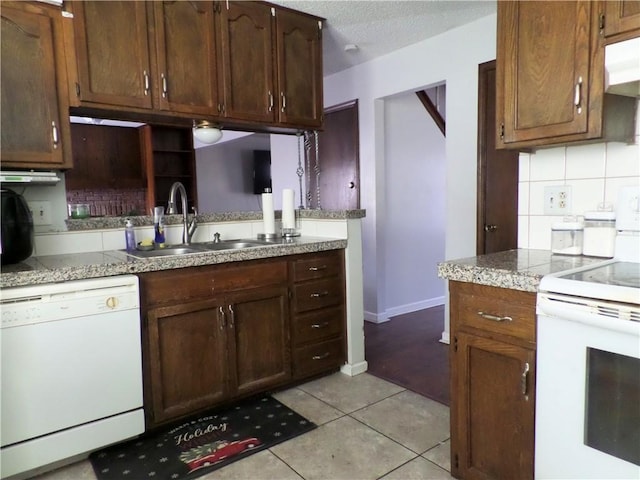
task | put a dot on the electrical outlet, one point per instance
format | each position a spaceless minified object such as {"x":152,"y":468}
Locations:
{"x":41,"y":212}
{"x":557,"y":200}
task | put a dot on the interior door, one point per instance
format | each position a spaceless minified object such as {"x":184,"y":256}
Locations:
{"x":339,"y":152}
{"x":497,"y":224}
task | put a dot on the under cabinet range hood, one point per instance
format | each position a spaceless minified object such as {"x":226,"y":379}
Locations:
{"x":29,"y":177}
{"x":622,"y":68}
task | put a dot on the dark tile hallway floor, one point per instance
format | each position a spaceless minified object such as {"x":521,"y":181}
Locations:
{"x":406,"y":351}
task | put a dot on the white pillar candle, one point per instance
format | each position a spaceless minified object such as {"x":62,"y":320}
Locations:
{"x":288,"y":202}
{"x":268,"y":215}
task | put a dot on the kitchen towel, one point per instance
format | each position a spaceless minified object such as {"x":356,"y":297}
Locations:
{"x":268,"y":215}
{"x":288,"y":215}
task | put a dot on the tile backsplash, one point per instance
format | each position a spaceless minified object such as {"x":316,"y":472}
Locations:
{"x":594,"y":172}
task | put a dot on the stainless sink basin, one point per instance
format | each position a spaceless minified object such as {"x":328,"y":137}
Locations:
{"x":167,"y":251}
{"x":170,"y":250}
{"x":232,"y":244}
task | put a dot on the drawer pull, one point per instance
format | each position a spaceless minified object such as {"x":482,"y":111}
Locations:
{"x":525,"y":373}
{"x":319,"y":294}
{"x":321,"y":357}
{"x":494,"y":318}
{"x":320,"y":325}
{"x":317,"y":269}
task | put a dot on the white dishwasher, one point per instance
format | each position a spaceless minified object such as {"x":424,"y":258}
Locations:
{"x":71,"y":370}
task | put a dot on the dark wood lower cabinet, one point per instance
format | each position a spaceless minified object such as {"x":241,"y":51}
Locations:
{"x":259,"y":348}
{"x":186,"y":349}
{"x":216,"y":333}
{"x":492,"y":358}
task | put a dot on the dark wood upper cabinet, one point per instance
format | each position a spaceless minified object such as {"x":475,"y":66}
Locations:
{"x":149,"y":55}
{"x":621,"y":18}
{"x":33,"y":82}
{"x":272,"y":59}
{"x":299,"y":42}
{"x":550,"y":77}
{"x":112,"y":49}
{"x":247,"y":57}
{"x":186,"y":77}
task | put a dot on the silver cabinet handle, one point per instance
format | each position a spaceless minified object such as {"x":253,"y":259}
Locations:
{"x":145,"y":76}
{"x":490,"y":228}
{"x":319,"y":294}
{"x":223,"y":318}
{"x":578,"y":95}
{"x":54,"y":133}
{"x":284,"y":102}
{"x":320,"y":325}
{"x":525,"y":374}
{"x":495,"y":318}
{"x":164,"y":85}
{"x":232,"y":317}
{"x":270,"y":96}
{"x":321,"y":357}
{"x":317,"y":269}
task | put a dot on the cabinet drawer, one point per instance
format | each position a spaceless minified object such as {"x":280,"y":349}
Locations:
{"x":498,"y":310}
{"x":318,"y":294}
{"x":315,"y":326}
{"x":202,"y":282}
{"x":318,"y":357}
{"x":317,"y":266}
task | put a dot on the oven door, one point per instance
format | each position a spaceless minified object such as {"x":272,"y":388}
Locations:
{"x":587,"y":389}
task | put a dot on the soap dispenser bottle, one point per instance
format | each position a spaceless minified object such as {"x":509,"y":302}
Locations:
{"x":129,"y":236}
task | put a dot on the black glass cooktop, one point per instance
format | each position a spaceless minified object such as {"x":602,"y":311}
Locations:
{"x":622,"y":274}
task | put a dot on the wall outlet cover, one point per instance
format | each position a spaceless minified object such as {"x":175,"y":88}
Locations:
{"x":557,"y":200}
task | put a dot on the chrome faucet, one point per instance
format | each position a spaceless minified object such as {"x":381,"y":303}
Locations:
{"x":188,"y":228}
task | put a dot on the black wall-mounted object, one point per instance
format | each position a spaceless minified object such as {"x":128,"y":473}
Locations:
{"x":261,"y":171}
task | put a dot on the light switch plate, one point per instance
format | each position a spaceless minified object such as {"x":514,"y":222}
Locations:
{"x":557,"y":200}
{"x":41,"y":212}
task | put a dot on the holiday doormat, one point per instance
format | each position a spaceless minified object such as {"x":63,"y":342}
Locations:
{"x":203,"y":443}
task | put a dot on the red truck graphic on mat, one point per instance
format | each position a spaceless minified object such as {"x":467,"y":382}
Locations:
{"x":213,"y":453}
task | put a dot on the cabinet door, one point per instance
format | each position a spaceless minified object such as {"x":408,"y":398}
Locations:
{"x":33,"y":98}
{"x":543,"y":77}
{"x":187,"y":359}
{"x":112,"y":50}
{"x":247,"y":40}
{"x":186,"y":46}
{"x":494,"y":405}
{"x":299,"y":60}
{"x":621,"y":16}
{"x":260,"y":352}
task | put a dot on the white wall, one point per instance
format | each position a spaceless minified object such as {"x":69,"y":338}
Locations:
{"x":595,"y":172}
{"x":415,"y":202}
{"x":451,"y":57}
{"x":224,"y":173}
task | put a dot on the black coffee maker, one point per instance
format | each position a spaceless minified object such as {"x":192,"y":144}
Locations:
{"x":17,"y":228}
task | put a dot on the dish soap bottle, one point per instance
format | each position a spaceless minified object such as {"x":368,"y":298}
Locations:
{"x":158,"y":224}
{"x":129,"y":236}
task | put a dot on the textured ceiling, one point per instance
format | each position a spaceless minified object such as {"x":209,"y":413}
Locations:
{"x":380,"y":27}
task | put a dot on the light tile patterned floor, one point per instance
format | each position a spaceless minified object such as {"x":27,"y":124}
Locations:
{"x":367,"y":429}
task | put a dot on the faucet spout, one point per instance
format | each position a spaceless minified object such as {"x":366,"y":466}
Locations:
{"x":188,"y":228}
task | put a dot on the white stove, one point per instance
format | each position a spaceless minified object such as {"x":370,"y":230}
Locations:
{"x":588,"y":362}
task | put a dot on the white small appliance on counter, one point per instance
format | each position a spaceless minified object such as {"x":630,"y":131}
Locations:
{"x":588,"y":362}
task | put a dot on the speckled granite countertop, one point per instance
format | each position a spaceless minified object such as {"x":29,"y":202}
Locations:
{"x":78,"y":266}
{"x":519,"y":269}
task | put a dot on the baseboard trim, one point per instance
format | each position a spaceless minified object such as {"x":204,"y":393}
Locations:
{"x":445,"y":338}
{"x":355,"y":369}
{"x":402,"y":309}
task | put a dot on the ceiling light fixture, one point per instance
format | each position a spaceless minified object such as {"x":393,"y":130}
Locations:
{"x":206,"y":132}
